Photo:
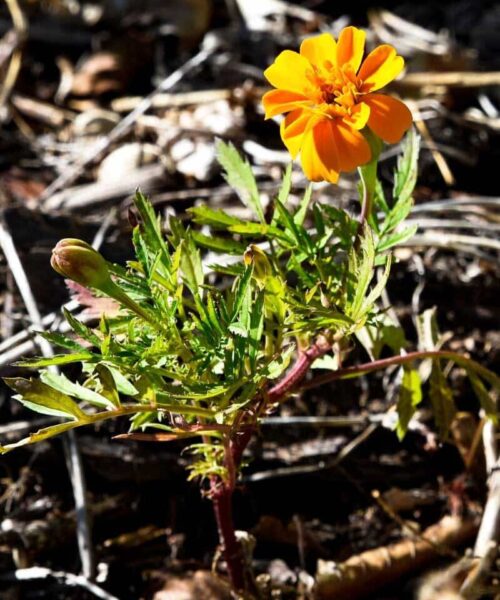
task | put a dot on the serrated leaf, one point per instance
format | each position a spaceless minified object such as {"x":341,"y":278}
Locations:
{"x":42,"y":398}
{"x":81,"y":329}
{"x":379,"y":198}
{"x":151,"y":230}
{"x":377,"y":290}
{"x":410,"y":396}
{"x":443,"y":405}
{"x":405,"y":175}
{"x":396,"y":238}
{"x":361,"y":271}
{"x":238,"y":173}
{"x":214,"y":217}
{"x":191,"y":265}
{"x":58,"y":339}
{"x":238,"y":329}
{"x":218,"y":244}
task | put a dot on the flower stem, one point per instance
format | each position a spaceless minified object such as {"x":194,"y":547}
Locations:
{"x":368,"y":176}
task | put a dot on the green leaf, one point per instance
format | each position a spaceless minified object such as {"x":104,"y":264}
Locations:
{"x":410,"y":396}
{"x":428,"y":331}
{"x":58,"y":339}
{"x":260,"y":229}
{"x":374,"y":338}
{"x":80,"y":329}
{"x":214,"y":217}
{"x":296,"y":232}
{"x":62,"y":384}
{"x":57,"y":359}
{"x":151,"y":230}
{"x":238,"y":329}
{"x":238,"y":173}
{"x":361,"y":270}
{"x":218,"y":244}
{"x":108,"y":385}
{"x":41,"y":434}
{"x":443,"y":405}
{"x":123,"y":385}
{"x":396,"y":238}
{"x":379,"y":198}
{"x":377,"y":290}
{"x":300,"y":215}
{"x":256,"y":328}
{"x":241,"y":290}
{"x":191,"y":265}
{"x":277,"y":366}
{"x":286,"y":185}
{"x":42,"y":398}
{"x":405,"y":175}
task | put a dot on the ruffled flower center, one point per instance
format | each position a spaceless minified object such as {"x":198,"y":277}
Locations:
{"x":337,"y":88}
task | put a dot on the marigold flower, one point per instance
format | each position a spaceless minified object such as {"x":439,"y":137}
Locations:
{"x":328,"y":93}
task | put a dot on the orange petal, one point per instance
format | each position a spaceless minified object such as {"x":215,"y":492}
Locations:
{"x":319,"y":49}
{"x":350,"y":47}
{"x":276,"y":102}
{"x":353,"y":150}
{"x":288,"y":72}
{"x":380,"y":67}
{"x":359,"y":116}
{"x":318,"y":154}
{"x":389,"y":118}
{"x":292,"y":130}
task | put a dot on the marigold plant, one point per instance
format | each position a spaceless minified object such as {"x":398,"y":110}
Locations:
{"x":202,"y":352}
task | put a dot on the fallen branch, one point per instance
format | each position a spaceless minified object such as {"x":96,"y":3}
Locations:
{"x":361,"y":575}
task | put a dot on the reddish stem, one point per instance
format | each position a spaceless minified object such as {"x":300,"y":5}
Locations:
{"x":222,"y":492}
{"x":298,"y":371}
{"x":222,"y":496}
{"x":383,"y":363}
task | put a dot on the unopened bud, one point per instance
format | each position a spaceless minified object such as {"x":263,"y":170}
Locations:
{"x":261,"y":266}
{"x":77,"y":260}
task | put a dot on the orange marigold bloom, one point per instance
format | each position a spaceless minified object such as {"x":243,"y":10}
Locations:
{"x":328,"y":94}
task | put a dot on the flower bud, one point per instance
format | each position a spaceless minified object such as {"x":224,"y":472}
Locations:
{"x":261,"y":266}
{"x":76,"y":260}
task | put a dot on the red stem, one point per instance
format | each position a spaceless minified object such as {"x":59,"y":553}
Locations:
{"x":383,"y":363}
{"x":298,"y":371}
{"x":222,"y":496}
{"x":222,"y":492}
